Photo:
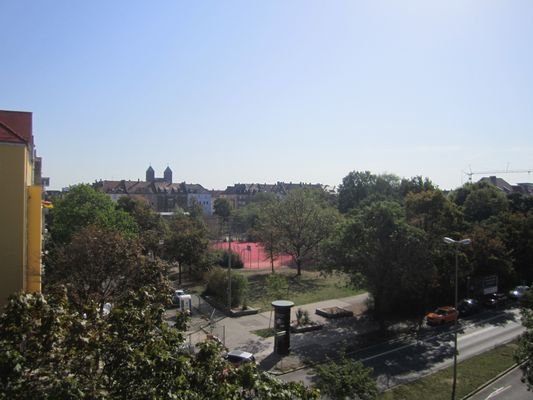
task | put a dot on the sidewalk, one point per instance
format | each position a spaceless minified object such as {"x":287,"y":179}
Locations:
{"x":309,"y":346}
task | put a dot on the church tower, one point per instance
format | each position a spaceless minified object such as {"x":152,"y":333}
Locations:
{"x":150,"y":174}
{"x":167,"y":175}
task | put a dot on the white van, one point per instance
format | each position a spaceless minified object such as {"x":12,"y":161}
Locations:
{"x":182,"y":301}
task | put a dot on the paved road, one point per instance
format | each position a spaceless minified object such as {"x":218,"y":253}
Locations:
{"x":508,"y":386}
{"x":394,"y":362}
{"x":404,"y":361}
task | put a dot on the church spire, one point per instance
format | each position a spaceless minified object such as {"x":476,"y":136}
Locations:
{"x":150,"y":174}
{"x":167,"y":175}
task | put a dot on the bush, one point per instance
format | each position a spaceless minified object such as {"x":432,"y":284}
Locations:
{"x":339,"y":379}
{"x":221,"y":259}
{"x":217,"y":286}
{"x":302,"y":317}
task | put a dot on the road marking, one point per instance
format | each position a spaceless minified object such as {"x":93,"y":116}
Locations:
{"x":389,"y":351}
{"x":497,"y":392}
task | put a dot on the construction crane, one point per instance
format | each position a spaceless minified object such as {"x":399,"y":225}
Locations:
{"x":492,"y":173}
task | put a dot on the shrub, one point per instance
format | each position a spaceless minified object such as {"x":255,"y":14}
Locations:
{"x":217,"y":286}
{"x":221,"y":259}
{"x":339,"y":379}
{"x":302,"y":317}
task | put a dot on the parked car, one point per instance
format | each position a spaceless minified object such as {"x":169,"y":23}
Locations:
{"x":495,"y":300}
{"x":442,"y":315}
{"x":518,"y":292}
{"x":238,"y":357}
{"x":468,"y":307}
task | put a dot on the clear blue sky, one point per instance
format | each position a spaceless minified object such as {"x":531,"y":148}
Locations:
{"x":261,"y":91}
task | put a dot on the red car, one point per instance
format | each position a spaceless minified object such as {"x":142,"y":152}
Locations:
{"x":442,"y":315}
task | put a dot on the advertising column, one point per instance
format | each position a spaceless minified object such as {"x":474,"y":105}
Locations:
{"x":282,"y":325}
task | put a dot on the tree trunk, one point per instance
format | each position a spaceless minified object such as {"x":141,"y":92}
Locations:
{"x":179,"y":273}
{"x":298,"y":267}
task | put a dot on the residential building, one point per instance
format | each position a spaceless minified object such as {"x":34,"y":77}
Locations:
{"x":240,"y":194}
{"x":21,"y":211}
{"x":162,"y":194}
{"x":507,"y":188}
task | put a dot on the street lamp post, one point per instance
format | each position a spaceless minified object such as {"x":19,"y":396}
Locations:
{"x":455,"y":243}
{"x":229,"y":270}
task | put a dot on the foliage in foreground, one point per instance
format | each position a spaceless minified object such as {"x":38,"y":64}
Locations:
{"x":50,"y":351}
{"x":346,"y":378}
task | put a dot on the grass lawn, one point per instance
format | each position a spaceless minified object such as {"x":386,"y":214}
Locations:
{"x":310,"y":287}
{"x":471,"y":374}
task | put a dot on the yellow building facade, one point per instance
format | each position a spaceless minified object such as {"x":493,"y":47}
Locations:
{"x":20,"y":207}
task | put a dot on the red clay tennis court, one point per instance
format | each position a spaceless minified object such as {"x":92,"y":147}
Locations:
{"x":253,"y":255}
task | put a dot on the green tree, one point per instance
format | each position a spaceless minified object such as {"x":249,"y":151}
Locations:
{"x":517,"y":233}
{"x":346,"y":378}
{"x":217,"y":286}
{"x":480,"y":201}
{"x":246,"y":219}
{"x":303,"y":222}
{"x":384,"y":254}
{"x":222,"y":209}
{"x":83,"y":206}
{"x":489,"y":254}
{"x":186,"y":243}
{"x":195,"y":209}
{"x":267,"y":232}
{"x":416,"y":184}
{"x":432,"y":212}
{"x":100,"y":266}
{"x":358,"y":187}
{"x":277,"y":287}
{"x":152,"y":228}
{"x":51,"y":351}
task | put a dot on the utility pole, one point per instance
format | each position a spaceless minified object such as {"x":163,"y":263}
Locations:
{"x":456,"y":244}
{"x":229,"y":267}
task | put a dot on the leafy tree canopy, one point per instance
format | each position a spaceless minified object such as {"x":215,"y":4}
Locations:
{"x":100,"y":266}
{"x":303,"y":221}
{"x":186,"y":242}
{"x":222,"y":208}
{"x":431,"y":211}
{"x":152,"y":228}
{"x":346,"y":378}
{"x":416,"y":184}
{"x":83,"y":206}
{"x":484,"y":202}
{"x":358,"y":187}
{"x":384,"y":254}
{"x":51,"y":351}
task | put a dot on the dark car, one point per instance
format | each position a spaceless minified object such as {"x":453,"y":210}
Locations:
{"x":495,"y":300}
{"x":518,"y":292}
{"x":468,"y":307}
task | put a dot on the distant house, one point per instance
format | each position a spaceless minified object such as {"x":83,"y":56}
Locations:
{"x":499,"y":183}
{"x":162,"y":195}
{"x":240,"y":194}
{"x":507,"y":188}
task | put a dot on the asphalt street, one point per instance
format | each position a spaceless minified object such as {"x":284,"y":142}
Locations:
{"x":506,"y":387}
{"x":394,"y":362}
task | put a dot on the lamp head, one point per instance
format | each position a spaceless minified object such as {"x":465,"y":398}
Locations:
{"x":463,"y":242}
